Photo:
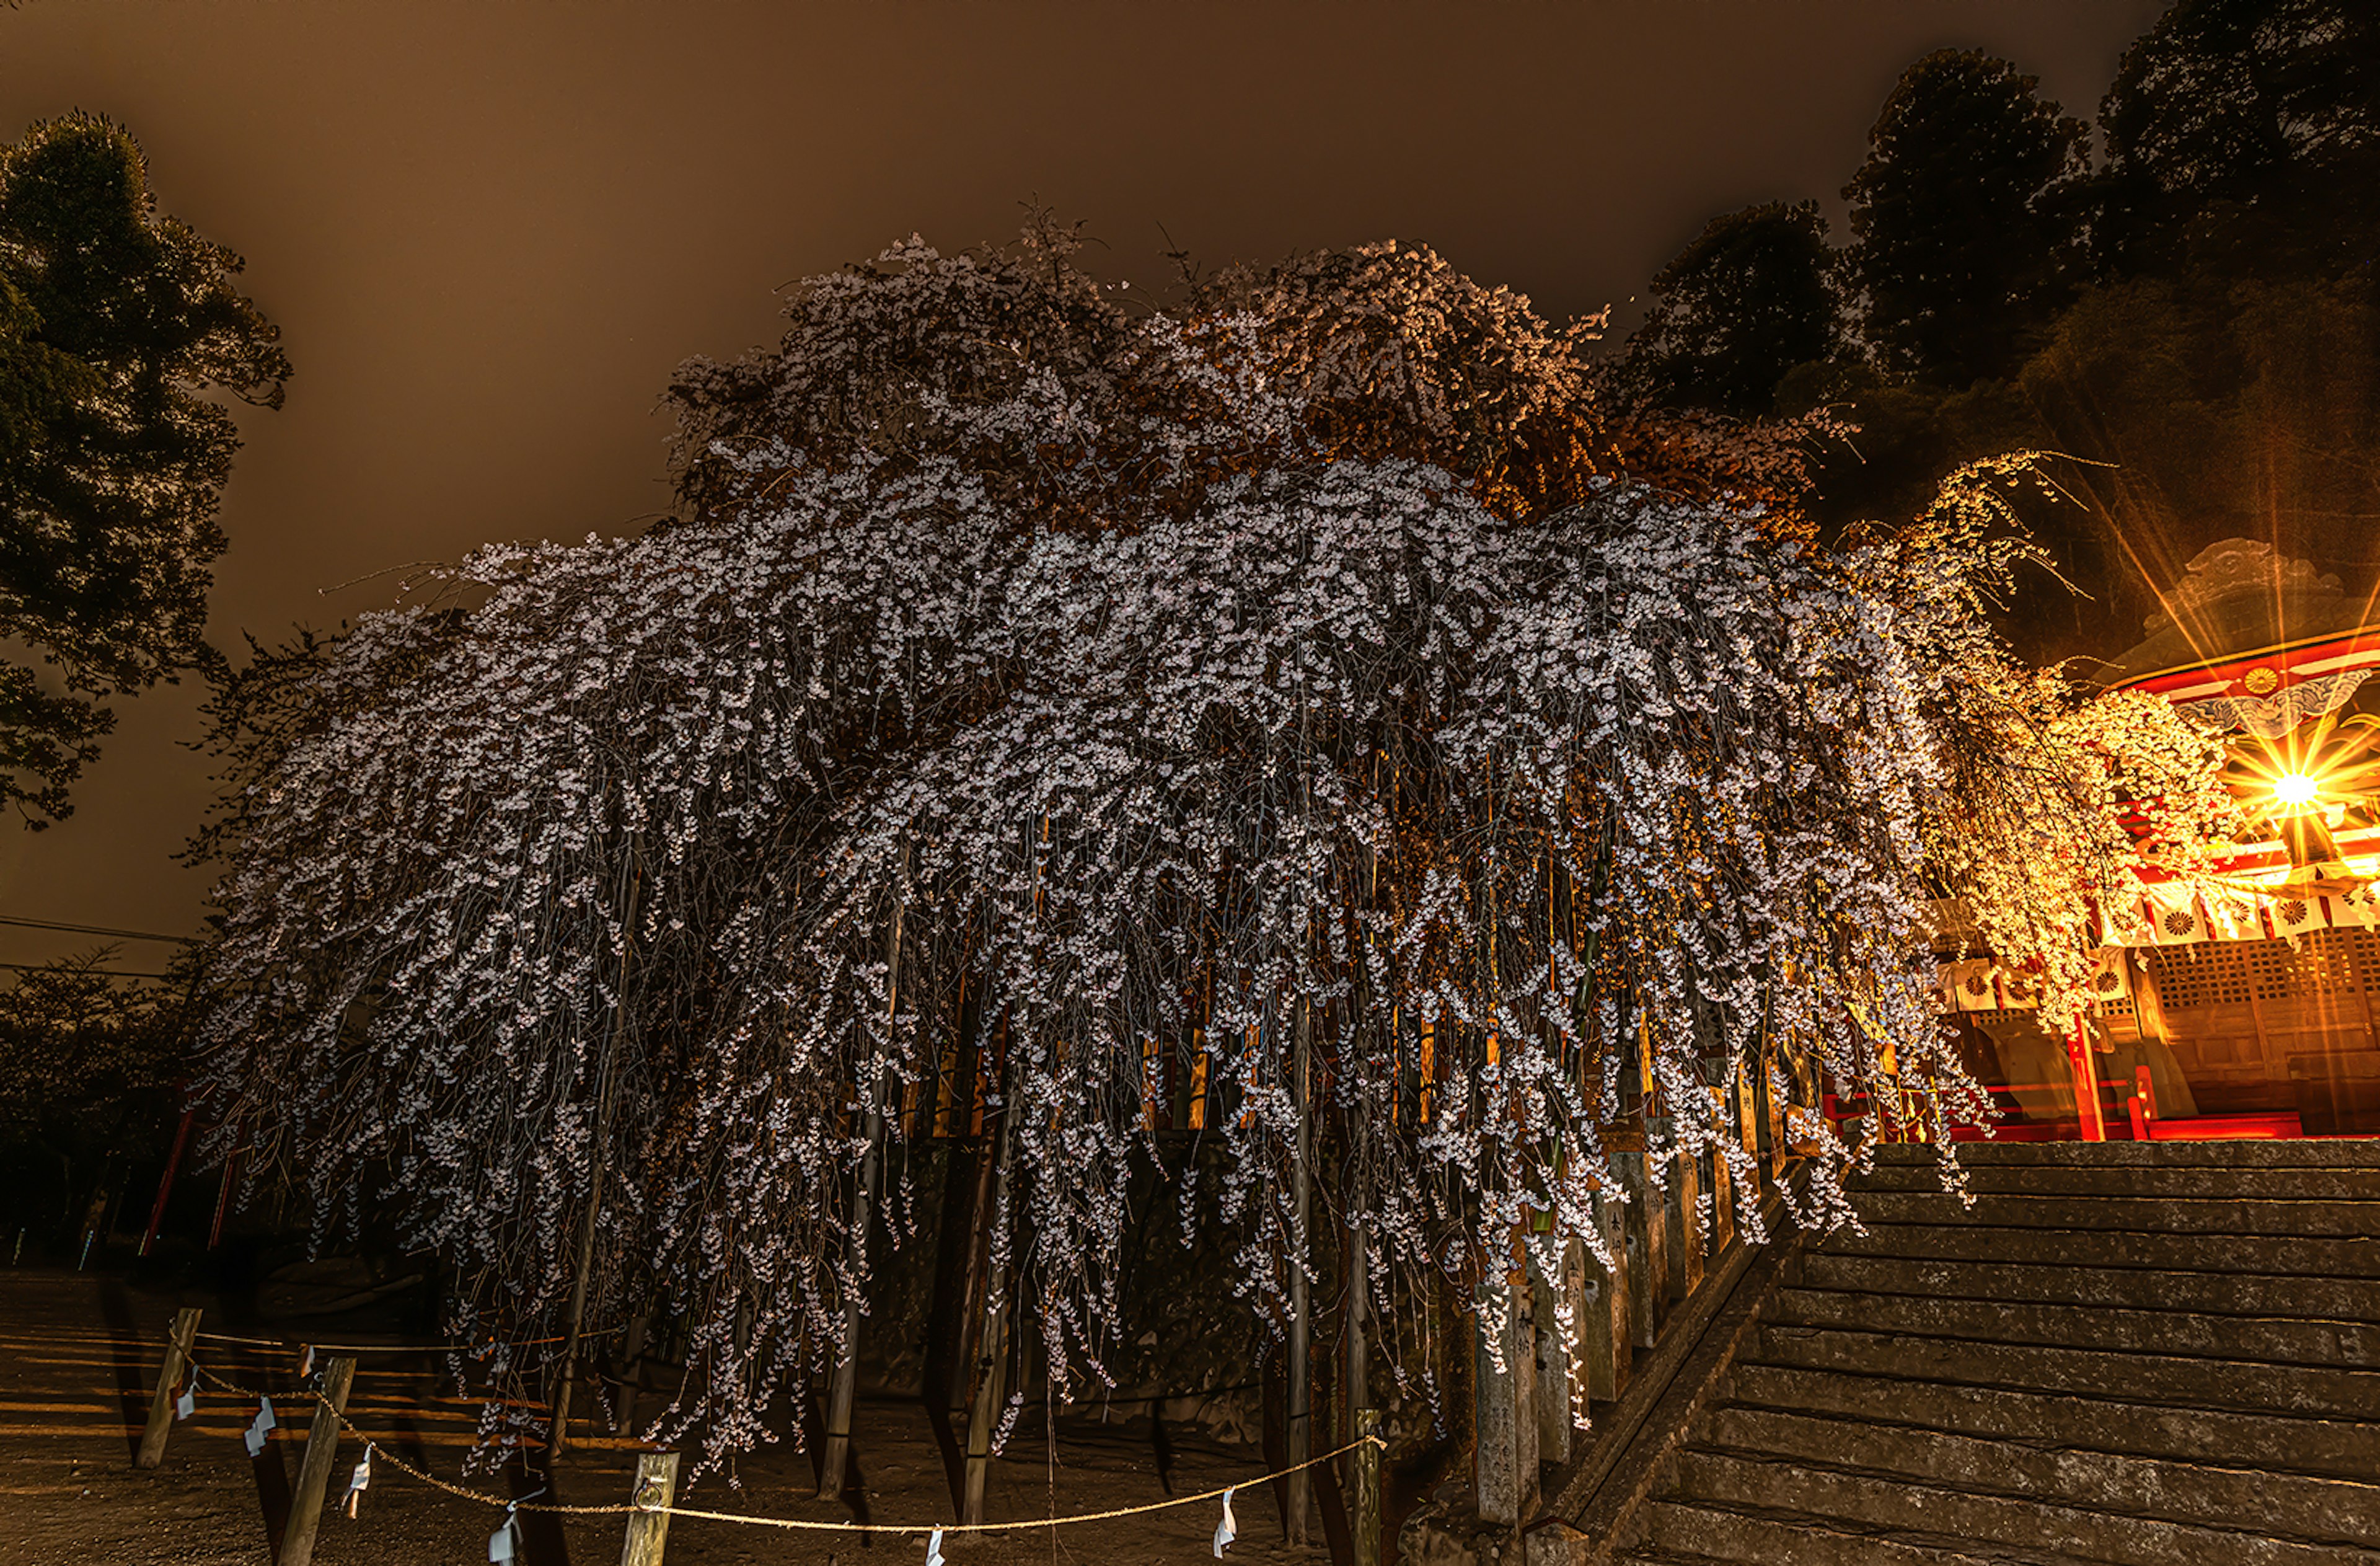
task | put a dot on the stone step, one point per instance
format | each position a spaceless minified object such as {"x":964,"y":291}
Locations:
{"x":2292,"y":1506}
{"x":2211,"y":1293}
{"x":2272,"y":1443}
{"x":1696,"y":1534}
{"x":2129,"y":1215}
{"x":2210,"y":1182}
{"x":2326,"y":1152}
{"x":2003,"y":1522}
{"x":2323,"y":1393}
{"x":2314,"y":1257}
{"x":2271,"y":1341}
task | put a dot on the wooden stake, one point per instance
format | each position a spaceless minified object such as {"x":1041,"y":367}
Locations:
{"x":314,"y":1473}
{"x":649,"y":1528}
{"x":1365,"y":1490}
{"x":169,"y":1382}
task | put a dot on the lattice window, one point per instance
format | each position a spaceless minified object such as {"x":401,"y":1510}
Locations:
{"x":2230,"y":973}
{"x":2210,"y":974}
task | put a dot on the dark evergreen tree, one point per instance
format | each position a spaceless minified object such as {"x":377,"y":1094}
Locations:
{"x":1964,"y":219}
{"x":113,"y":323}
{"x":1749,"y":299}
{"x":2250,"y":129}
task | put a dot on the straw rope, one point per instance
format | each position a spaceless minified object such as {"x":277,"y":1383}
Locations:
{"x":890,"y":1529}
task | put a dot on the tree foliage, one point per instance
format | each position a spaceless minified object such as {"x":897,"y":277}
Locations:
{"x":91,"y":1063}
{"x":1277,"y":675}
{"x":1749,"y":299}
{"x":2245,"y":125}
{"x":115,"y":325}
{"x":1964,"y":221}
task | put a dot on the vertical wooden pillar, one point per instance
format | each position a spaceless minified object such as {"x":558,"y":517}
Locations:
{"x":1505,"y":1451}
{"x":169,"y":1381}
{"x":1355,"y":1365}
{"x":2081,"y":1057}
{"x":1564,"y":1290}
{"x":649,"y":1524}
{"x":1648,"y":1267}
{"x":992,"y":1332}
{"x":1607,"y":1321}
{"x":1722,"y":1202}
{"x":844,"y":1389}
{"x":1365,"y":1492}
{"x":314,"y":1473}
{"x":1683,"y":1225}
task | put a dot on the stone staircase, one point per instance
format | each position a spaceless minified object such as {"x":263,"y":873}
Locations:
{"x":2152,"y":1354}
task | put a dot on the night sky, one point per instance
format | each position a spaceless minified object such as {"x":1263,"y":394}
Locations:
{"x":489,"y":231}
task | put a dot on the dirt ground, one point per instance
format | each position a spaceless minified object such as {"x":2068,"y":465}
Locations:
{"x":79,"y":1354}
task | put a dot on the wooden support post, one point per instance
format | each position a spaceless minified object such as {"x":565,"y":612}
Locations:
{"x":648,"y":1525}
{"x":1722,"y":1201}
{"x":1682,"y":1224}
{"x":1505,"y":1451}
{"x":991,"y":1340}
{"x":1648,"y":1269}
{"x":165,"y":1182}
{"x":845,"y":1387}
{"x":2079,"y":1055}
{"x":1566,"y":1290}
{"x":1355,"y":1367}
{"x":169,"y":1382}
{"x":1607,"y":1332}
{"x":314,"y":1473}
{"x":1364,"y":1491}
{"x":1299,"y":1366}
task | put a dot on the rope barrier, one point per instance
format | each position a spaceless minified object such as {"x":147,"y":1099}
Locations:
{"x":894,"y":1530}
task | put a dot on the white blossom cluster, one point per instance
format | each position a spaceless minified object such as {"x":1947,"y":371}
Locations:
{"x":1139,"y":695}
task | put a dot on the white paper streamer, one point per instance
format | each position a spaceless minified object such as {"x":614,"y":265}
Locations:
{"x":186,"y":1402}
{"x":360,"y":1480}
{"x":306,"y":1361}
{"x":504,"y":1542}
{"x":1228,"y":1529}
{"x":259,"y":1425}
{"x":934,"y":1549}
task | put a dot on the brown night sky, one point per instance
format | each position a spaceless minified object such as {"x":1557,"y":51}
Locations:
{"x":488,"y":231}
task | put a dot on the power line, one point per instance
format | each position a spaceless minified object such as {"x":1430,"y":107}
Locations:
{"x":97,"y":929}
{"x":99,"y":972}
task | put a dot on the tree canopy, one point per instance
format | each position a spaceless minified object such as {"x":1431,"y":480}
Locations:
{"x":1280,"y":674}
{"x":1962,"y":219}
{"x":1749,"y":299}
{"x":115,"y":325}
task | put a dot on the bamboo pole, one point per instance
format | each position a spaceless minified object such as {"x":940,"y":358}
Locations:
{"x":648,"y":1525}
{"x":314,"y":1473}
{"x":169,"y":1378}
